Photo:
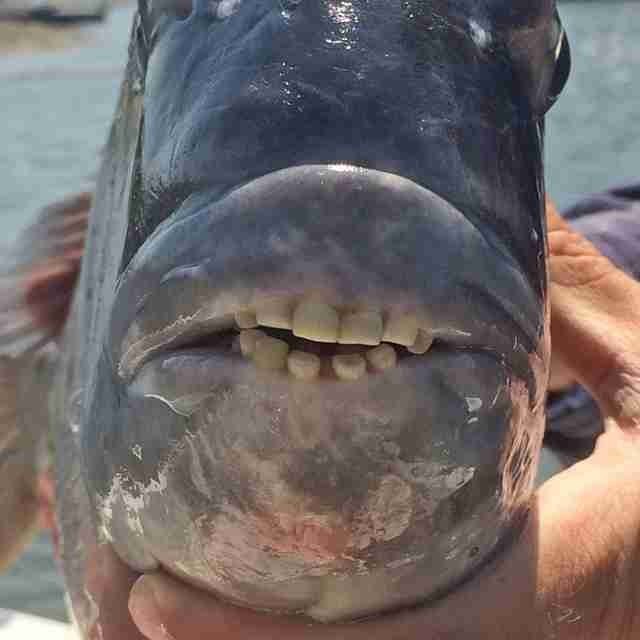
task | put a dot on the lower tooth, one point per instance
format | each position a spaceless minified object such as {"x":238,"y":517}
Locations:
{"x":304,"y":366}
{"x":349,"y":367}
{"x":270,"y":353}
{"x":248,"y":341}
{"x":422,"y":344}
{"x":382,"y":357}
{"x":246,"y":320}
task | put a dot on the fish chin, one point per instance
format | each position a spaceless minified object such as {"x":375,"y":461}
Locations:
{"x":301,"y":432}
{"x":314,"y":497}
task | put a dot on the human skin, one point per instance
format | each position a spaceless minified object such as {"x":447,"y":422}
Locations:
{"x":574,"y":573}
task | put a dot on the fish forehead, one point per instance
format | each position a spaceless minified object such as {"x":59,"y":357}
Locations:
{"x":426,"y":90}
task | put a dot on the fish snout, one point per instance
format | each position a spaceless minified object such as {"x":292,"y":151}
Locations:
{"x":331,"y":254}
{"x":330,"y":378}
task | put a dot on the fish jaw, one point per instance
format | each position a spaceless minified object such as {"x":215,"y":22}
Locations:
{"x":305,"y":495}
{"x":355,"y":239}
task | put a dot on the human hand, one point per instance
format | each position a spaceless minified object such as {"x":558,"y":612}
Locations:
{"x":573,"y":573}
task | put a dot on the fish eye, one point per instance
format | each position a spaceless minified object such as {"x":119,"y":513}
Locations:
{"x":561,"y":70}
{"x":544,"y":62}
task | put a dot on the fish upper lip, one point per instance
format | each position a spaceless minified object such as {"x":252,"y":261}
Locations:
{"x":181,"y":335}
{"x":185,"y":261}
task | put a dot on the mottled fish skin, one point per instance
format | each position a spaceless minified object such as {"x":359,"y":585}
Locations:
{"x":374,"y":154}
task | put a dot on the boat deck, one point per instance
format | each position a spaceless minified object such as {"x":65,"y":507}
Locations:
{"x":18,"y":626}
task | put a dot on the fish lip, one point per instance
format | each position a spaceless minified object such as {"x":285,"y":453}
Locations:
{"x":155,"y":271}
{"x":192,"y":383}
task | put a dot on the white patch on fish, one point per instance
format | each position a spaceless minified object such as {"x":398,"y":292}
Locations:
{"x":480,"y":36}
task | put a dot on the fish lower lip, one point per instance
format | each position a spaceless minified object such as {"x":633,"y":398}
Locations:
{"x":184,"y":378}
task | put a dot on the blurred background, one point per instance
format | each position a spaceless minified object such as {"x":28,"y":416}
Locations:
{"x":58,"y":90}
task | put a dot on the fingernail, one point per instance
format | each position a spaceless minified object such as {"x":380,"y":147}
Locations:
{"x":145,"y":609}
{"x":627,"y":401}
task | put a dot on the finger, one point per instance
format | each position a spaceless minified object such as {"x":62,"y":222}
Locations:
{"x":165,"y":609}
{"x":108,"y":582}
{"x":595,"y":320}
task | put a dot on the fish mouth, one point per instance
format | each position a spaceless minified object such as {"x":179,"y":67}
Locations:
{"x":322,"y":273}
{"x":183,"y":376}
{"x":337,"y":356}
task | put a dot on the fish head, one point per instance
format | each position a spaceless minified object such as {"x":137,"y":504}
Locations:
{"x":324,"y":367}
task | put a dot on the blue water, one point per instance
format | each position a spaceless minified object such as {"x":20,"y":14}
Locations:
{"x":56,"y":109}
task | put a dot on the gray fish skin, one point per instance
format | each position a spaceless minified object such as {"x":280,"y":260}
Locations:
{"x":373,"y":154}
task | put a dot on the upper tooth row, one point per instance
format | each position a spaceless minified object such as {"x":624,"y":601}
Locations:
{"x":322,"y":323}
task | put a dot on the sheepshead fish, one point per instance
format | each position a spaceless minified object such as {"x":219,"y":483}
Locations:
{"x":306,"y":359}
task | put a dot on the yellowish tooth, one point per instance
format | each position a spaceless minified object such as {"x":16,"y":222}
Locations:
{"x":364,"y":327}
{"x":316,"y":321}
{"x":246,"y":320}
{"x":304,"y":366}
{"x":276,"y":315}
{"x":401,"y":330}
{"x":422,"y":344}
{"x":349,"y":367}
{"x":270,"y":353}
{"x":382,"y":357}
{"x":248,"y":341}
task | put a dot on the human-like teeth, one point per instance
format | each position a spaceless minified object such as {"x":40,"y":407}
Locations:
{"x":349,"y":367}
{"x":364,"y":327}
{"x":248,"y":341}
{"x":316,"y":321}
{"x":246,"y":320}
{"x":276,"y":315}
{"x":304,"y":366}
{"x":422,"y":344}
{"x":270,"y":353}
{"x":401,"y":330}
{"x":382,"y":357}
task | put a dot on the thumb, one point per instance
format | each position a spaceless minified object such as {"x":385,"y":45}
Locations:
{"x":166,"y":609}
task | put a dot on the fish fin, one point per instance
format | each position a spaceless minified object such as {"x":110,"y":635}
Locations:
{"x":22,"y":455}
{"x":37,"y":280}
{"x":38,"y":276}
